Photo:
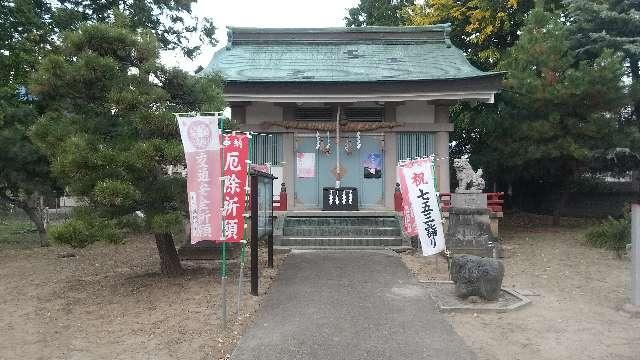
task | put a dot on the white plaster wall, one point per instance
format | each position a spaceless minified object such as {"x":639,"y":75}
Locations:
{"x":259,"y":112}
{"x":415,"y":112}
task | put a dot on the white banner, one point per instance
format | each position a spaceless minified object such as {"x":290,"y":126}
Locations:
{"x":424,"y":202}
{"x":201,"y":141}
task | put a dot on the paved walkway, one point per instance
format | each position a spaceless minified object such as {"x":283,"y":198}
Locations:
{"x":349,"y":305}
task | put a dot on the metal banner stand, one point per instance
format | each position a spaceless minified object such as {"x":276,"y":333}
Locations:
{"x":244,"y":233}
{"x":223,"y":274}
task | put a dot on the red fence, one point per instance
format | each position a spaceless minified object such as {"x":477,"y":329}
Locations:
{"x":495,"y":201}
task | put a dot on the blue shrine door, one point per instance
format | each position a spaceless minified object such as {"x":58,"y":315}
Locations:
{"x":362,"y":169}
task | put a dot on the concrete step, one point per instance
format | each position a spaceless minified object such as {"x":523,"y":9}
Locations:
{"x":340,"y":231}
{"x":290,"y":241}
{"x":341,"y":221}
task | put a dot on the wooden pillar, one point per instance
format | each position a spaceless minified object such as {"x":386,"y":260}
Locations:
{"x":442,"y":150}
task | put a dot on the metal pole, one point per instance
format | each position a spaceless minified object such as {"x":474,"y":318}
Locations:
{"x":224,"y":247}
{"x":223,"y":285}
{"x":244,"y":230}
{"x":338,"y":147}
{"x":254,"y":235}
{"x":240,"y":280}
{"x":635,"y":254}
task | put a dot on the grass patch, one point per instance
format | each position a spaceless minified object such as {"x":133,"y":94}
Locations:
{"x":15,"y":230}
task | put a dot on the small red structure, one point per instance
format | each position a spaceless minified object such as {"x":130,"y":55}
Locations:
{"x":281,"y":205}
{"x":397,"y":199}
{"x":495,"y":202}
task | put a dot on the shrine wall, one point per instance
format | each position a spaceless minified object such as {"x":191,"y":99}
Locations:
{"x":416,"y":112}
{"x":259,"y":112}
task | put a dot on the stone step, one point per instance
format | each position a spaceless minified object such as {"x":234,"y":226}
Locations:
{"x":348,"y":231}
{"x":397,"y":249}
{"x":341,"y":221}
{"x":339,"y":241}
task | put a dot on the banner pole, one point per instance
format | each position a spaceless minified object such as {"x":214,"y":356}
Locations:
{"x":224,"y":243}
{"x":244,"y":230}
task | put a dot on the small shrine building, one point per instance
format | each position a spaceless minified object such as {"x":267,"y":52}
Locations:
{"x":364,"y":98}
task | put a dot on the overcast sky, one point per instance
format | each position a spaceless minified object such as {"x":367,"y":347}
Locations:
{"x":262,"y":13}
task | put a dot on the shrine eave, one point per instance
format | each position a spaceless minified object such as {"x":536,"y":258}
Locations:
{"x":482,"y":89}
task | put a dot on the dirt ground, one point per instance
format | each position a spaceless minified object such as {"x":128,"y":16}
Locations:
{"x":110,"y":302}
{"x":576,"y":314}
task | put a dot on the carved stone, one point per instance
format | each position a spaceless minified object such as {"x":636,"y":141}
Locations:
{"x":468,"y":180}
{"x":477,"y":276}
{"x":469,"y":230}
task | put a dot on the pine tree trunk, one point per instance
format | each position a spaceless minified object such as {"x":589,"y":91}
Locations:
{"x":559,"y":212}
{"x":635,"y":79}
{"x":169,"y":260}
{"x":35,"y":217}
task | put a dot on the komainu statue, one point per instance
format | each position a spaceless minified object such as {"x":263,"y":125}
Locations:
{"x":468,"y":180}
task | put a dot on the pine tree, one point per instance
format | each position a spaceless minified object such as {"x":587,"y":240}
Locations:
{"x":25,"y":37}
{"x":555,"y":112}
{"x":596,"y":26}
{"x":109,"y":129}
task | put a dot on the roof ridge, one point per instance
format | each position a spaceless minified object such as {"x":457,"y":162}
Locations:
{"x":421,"y":28}
{"x":379,"y":34}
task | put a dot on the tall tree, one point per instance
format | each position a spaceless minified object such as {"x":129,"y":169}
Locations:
{"x":172,"y":21}
{"x":597,"y":25}
{"x":109,"y":129}
{"x":25,"y":37}
{"x":555,"y":114}
{"x":377,"y":13}
{"x":483,"y":29}
{"x":29,"y":31}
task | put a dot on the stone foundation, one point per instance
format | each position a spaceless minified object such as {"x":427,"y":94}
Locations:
{"x":469,"y":229}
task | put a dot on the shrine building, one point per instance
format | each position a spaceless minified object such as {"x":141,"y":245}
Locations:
{"x":385,"y":90}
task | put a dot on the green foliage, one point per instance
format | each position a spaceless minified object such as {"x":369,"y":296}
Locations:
{"x":555,"y":112}
{"x":25,"y":37}
{"x":131,"y":223}
{"x":168,"y":223}
{"x":612,"y":234}
{"x":596,"y":26}
{"x":80,"y":232}
{"x":81,"y":53}
{"x":172,"y":22}
{"x":17,"y":229}
{"x":115,"y":194}
{"x":108,"y":127}
{"x":378,"y":13}
{"x":484,"y":29}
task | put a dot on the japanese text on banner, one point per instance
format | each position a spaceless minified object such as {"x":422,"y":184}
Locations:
{"x":201,"y":141}
{"x":236,"y":155}
{"x":424,"y":203}
{"x":408,"y":221}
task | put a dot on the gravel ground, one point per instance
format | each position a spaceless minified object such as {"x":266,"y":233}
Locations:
{"x":110,"y":302}
{"x":576,"y":314}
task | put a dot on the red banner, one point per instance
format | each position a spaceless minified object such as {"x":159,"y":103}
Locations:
{"x":201,"y":140}
{"x":409,"y":222}
{"x":236,"y":154}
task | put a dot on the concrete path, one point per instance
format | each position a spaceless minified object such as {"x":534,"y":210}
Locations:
{"x":349,"y":305}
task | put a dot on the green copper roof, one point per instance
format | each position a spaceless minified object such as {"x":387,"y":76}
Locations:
{"x":342,"y":55}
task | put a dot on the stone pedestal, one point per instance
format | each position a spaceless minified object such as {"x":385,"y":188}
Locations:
{"x":469,"y":227}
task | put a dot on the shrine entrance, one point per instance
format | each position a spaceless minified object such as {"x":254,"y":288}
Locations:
{"x":359,"y":168}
